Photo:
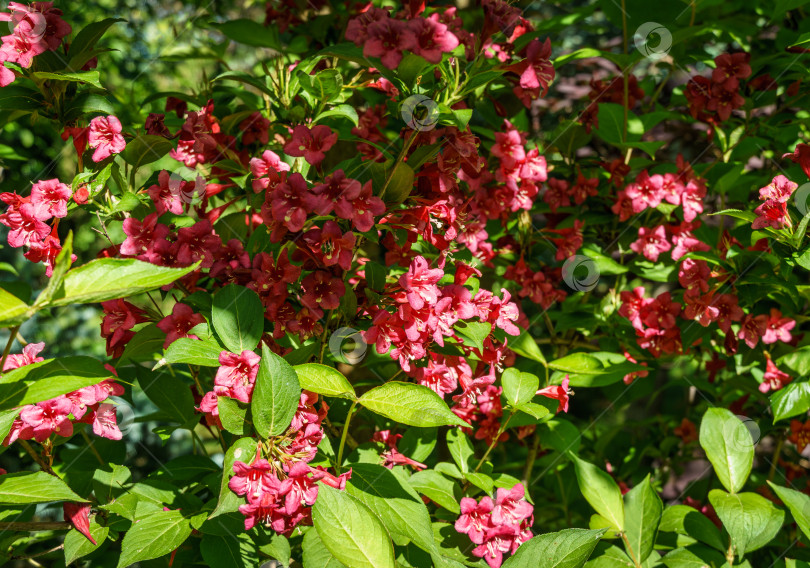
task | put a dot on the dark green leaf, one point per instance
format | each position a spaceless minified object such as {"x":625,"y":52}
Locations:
{"x":275,"y":396}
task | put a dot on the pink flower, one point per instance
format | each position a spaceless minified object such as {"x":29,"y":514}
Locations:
{"x":777,"y":328}
{"x":647,"y":191}
{"x":536,"y":71}
{"x":254,"y":479}
{"x":511,"y":507}
{"x":179,"y":323}
{"x":105,"y":136}
{"x":780,"y":189}
{"x":432,"y":38}
{"x":387,"y":39}
{"x":28,"y":356}
{"x":651,"y":242}
{"x":751,"y":329}
{"x":26,"y":223}
{"x":558,"y":392}
{"x":141,"y":235}
{"x":475,"y":520}
{"x":105,"y":423}
{"x":167,"y":194}
{"x":7,"y":76}
{"x":236,"y":375}
{"x":774,"y":379}
{"x":419,"y":283}
{"x":48,"y":417}
{"x":266,"y":170}
{"x":53,"y":195}
{"x":312,"y":144}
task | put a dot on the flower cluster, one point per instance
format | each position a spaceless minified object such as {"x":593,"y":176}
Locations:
{"x":26,"y":218}
{"x":38,"y":27}
{"x":712,"y":99}
{"x":498,"y":527}
{"x":58,"y":415}
{"x":280,"y":488}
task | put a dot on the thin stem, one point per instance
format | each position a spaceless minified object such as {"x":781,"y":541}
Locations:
{"x":10,"y":342}
{"x":35,"y":526}
{"x":630,"y":551}
{"x":494,"y":441}
{"x":37,"y":458}
{"x":343,"y":437}
{"x":93,"y":448}
{"x":776,"y":454}
{"x":530,"y":459}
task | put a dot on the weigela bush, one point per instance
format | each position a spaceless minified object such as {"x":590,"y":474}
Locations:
{"x":354,"y":277}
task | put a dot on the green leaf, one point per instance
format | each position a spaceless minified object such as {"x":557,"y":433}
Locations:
{"x":324,"y":86}
{"x":145,"y":346}
{"x":61,"y":266}
{"x":34,"y":487}
{"x":688,"y":521}
{"x":229,"y":551}
{"x":89,"y":77}
{"x":519,"y":387}
{"x":275,"y":396}
{"x":461,"y":449}
{"x":798,"y":503}
{"x":397,"y":182}
{"x":315,"y":553}
{"x":324,"y":380}
{"x":237,"y":315}
{"x":145,"y":149}
{"x":343,"y":111}
{"x":790,"y":401}
{"x":751,"y":520}
{"x":153,"y":536}
{"x":568,"y":548}
{"x":48,"y":379}
{"x":109,"y":481}
{"x":233,"y":415}
{"x":642,"y":515}
{"x":14,"y":311}
{"x":249,"y":32}
{"x":112,"y":278}
{"x":170,"y":394}
{"x":600,"y":491}
{"x":407,"y":403}
{"x":737,"y":214}
{"x":525,"y":345}
{"x":78,"y":545}
{"x":729,"y":447}
{"x":474,"y":333}
{"x":398,"y":506}
{"x":578,"y":363}
{"x":244,"y":450}
{"x":82,"y":46}
{"x":694,"y":556}
{"x":203,"y":352}
{"x":437,"y":488}
{"x":350,"y":531}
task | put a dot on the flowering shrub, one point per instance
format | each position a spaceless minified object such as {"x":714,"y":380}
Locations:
{"x":353,"y":279}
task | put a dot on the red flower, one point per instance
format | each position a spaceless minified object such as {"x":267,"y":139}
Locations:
{"x":433,"y":39}
{"x":179,"y":323}
{"x":387,"y":39}
{"x":800,"y":434}
{"x":312,"y":144}
{"x":78,"y":515}
{"x":558,"y":392}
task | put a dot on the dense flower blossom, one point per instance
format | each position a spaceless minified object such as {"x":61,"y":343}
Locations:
{"x":498,"y":527}
{"x":179,"y":323}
